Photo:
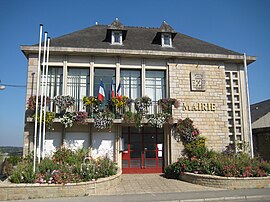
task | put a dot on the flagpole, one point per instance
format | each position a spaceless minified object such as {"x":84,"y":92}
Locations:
{"x":45,"y":104}
{"x":37,"y":93}
{"x":41,"y":97}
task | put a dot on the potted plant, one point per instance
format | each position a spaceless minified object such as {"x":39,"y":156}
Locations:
{"x":63,"y":102}
{"x":166,"y":104}
{"x":103,"y":120}
{"x":92,"y":104}
{"x":118,"y":105}
{"x":142,"y":104}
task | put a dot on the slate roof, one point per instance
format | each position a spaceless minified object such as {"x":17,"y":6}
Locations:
{"x":259,"y":110}
{"x":136,"y":38}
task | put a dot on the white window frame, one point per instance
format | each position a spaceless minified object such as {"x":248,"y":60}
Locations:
{"x":120,"y":38}
{"x":163,"y":35}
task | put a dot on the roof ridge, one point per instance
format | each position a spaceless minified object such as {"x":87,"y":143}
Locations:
{"x":142,"y":27}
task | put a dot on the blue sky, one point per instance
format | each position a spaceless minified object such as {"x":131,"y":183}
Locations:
{"x":239,"y":25}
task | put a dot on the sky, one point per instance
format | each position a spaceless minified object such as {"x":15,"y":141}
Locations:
{"x":239,"y":25}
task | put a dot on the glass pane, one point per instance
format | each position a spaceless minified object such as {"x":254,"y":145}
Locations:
{"x":160,"y":137}
{"x":125,"y":163}
{"x":116,"y":37}
{"x":155,"y":84}
{"x":150,"y":163}
{"x":125,"y":137}
{"x":135,"y":163}
{"x":134,"y":130}
{"x":54,"y":83}
{"x":136,"y":142}
{"x":131,"y":83}
{"x":78,"y":83}
{"x":160,"y":162}
{"x":135,"y":155}
{"x":125,"y":129}
{"x":150,"y":154}
{"x":167,"y":39}
{"x":107,"y":75}
{"x":149,"y":142}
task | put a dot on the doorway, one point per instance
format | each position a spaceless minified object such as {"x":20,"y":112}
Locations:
{"x":142,"y":150}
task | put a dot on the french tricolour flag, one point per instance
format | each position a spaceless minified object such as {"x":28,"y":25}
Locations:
{"x":119,"y":93}
{"x":101,"y":92}
{"x":112,"y":90}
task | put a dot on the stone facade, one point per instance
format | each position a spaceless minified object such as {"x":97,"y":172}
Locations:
{"x":207,"y":108}
{"x":211,"y":120}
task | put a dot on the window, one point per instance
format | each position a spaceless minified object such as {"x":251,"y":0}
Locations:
{"x":107,"y":75}
{"x":166,"y":40}
{"x":131,"y":83}
{"x":54,"y":83}
{"x":78,"y":83}
{"x":117,"y":37}
{"x":155,"y":84}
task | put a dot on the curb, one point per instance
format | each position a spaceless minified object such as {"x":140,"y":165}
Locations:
{"x":245,"y":198}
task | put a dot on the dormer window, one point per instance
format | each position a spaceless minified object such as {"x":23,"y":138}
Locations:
{"x":166,"y":40}
{"x":116,"y":37}
{"x":165,"y":35}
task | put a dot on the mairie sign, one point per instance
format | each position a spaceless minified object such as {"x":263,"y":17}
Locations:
{"x":198,"y":106}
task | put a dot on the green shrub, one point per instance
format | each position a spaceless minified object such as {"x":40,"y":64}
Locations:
{"x":14,"y":160}
{"x":65,"y":166}
{"x":23,"y":173}
{"x":198,"y":158}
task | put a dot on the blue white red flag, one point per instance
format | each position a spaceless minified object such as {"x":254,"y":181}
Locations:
{"x":119,"y":93}
{"x":112,"y":90}
{"x":101,"y":92}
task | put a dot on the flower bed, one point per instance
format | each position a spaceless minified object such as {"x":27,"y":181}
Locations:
{"x":65,"y":166}
{"x":199,"y":159}
{"x":31,"y":191}
{"x":226,"y":182}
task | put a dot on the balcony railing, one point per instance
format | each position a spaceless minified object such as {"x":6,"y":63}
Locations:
{"x":153,"y":109}
{"x":142,"y":110}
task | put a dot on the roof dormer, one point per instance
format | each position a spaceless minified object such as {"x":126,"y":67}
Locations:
{"x":117,"y":32}
{"x":165,"y":35}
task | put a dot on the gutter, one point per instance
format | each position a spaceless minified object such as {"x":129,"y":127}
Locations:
{"x":143,"y":53}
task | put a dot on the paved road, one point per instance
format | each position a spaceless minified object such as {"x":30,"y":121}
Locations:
{"x":154,"y":187}
{"x":221,"y":195}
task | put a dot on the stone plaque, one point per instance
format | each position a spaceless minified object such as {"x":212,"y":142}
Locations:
{"x":197,"y":81}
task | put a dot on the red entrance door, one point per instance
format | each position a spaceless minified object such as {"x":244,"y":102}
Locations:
{"x":143,"y":150}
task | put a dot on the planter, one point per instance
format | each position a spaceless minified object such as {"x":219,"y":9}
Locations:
{"x":31,"y":191}
{"x":227,"y":182}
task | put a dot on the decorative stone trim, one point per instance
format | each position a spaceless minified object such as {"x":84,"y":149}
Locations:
{"x":227,"y":182}
{"x":31,"y":191}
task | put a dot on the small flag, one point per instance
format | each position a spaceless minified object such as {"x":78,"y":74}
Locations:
{"x":101,"y":92}
{"x":112,"y":90}
{"x":119,"y":93}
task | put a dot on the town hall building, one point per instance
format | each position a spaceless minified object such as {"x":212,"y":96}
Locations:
{"x":147,"y":65}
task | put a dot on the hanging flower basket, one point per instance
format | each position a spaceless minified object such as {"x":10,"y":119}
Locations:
{"x":48,"y":119}
{"x":69,"y":118}
{"x":92,"y":104}
{"x":63,"y":101}
{"x":158,"y":120}
{"x":166,"y":104}
{"x":119,"y":105}
{"x":103,"y":120}
{"x":32,"y":102}
{"x":142,"y":104}
{"x":186,"y":131}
